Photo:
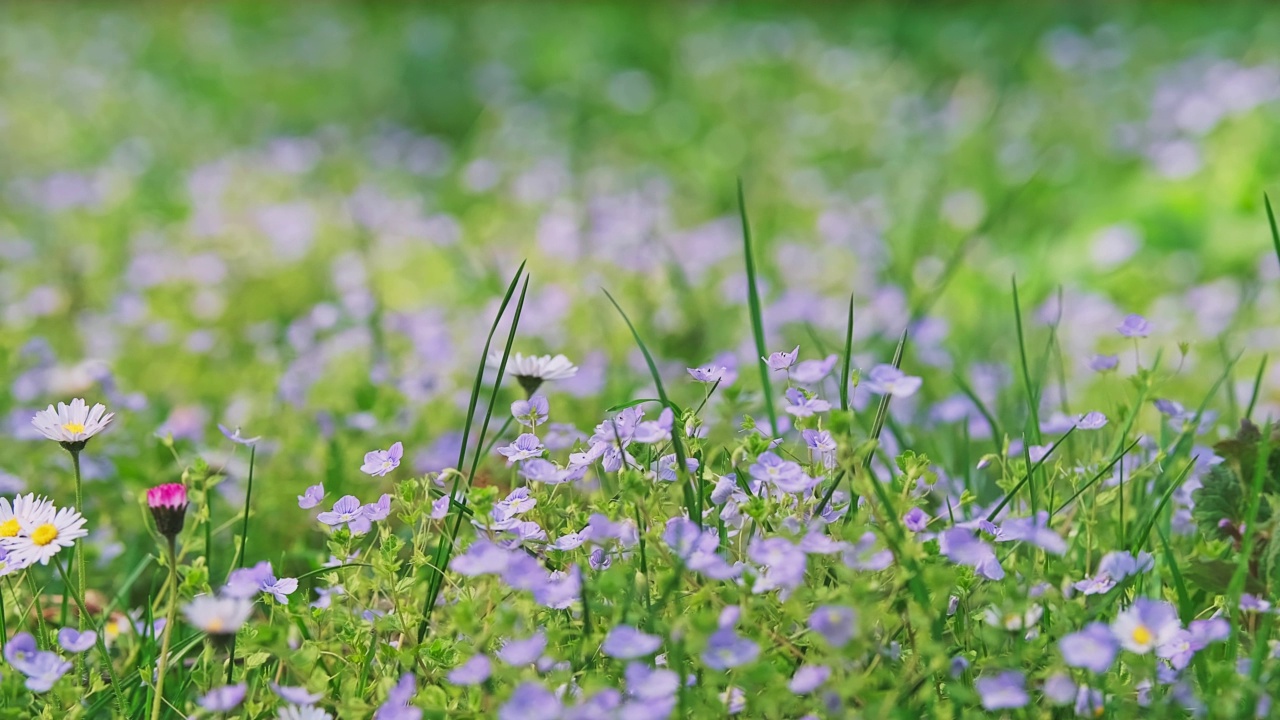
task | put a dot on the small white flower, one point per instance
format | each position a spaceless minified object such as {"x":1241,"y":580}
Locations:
{"x":531,"y":371}
{"x":74,"y":423}
{"x":41,"y":536}
{"x":303,"y":712}
{"x":217,"y":615}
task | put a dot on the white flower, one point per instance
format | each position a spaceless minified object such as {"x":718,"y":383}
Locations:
{"x":303,"y":712}
{"x":217,"y":615}
{"x":74,"y":423}
{"x":42,"y":536}
{"x":29,"y":509}
{"x":531,"y":371}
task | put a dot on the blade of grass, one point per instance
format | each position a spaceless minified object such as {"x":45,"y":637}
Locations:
{"x":677,"y":433}
{"x":1027,"y":478}
{"x":757,"y":318}
{"x":997,"y":436}
{"x":848,"y":359}
{"x":1140,"y":538}
{"x":436,"y":570}
{"x":1257,"y":387}
{"x":876,"y":428}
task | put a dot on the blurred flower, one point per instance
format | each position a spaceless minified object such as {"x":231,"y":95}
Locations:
{"x":72,"y":425}
{"x":396,"y":706}
{"x":223,"y":699}
{"x":726,"y":649}
{"x":295,"y":695}
{"x":916,"y":519}
{"x":43,"y":671}
{"x":1092,"y":648}
{"x":1091,"y":421}
{"x":1004,"y":691}
{"x":1134,"y":326}
{"x":782,"y":360}
{"x":889,"y":380}
{"x":708,"y":373}
{"x":380,"y":462}
{"x":472,"y":672}
{"x":625,"y":643}
{"x":808,"y":678}
{"x":1145,"y":625}
{"x":74,"y":641}
{"x":523,"y":652}
{"x":235,"y":436}
{"x":801,"y":405}
{"x":1103,"y":363}
{"x":217,"y":615}
{"x":302,"y":712}
{"x":531,"y":701}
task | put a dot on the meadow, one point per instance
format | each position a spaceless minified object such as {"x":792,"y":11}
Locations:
{"x":638,"y":361}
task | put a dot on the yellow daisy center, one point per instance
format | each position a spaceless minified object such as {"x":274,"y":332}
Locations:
{"x":9,"y":528}
{"x":74,"y":427}
{"x":214,"y":625}
{"x":1141,"y":635}
{"x":44,"y":534}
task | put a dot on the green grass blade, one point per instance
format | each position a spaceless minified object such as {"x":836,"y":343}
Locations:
{"x":1148,"y":522}
{"x":435,"y":577}
{"x":997,"y":436}
{"x":848,"y":359}
{"x":1031,"y":470}
{"x":757,"y":317}
{"x":1257,"y":387}
{"x":677,"y":431}
{"x":1117,"y":457}
{"x":1033,"y":393}
{"x":1271,"y":220}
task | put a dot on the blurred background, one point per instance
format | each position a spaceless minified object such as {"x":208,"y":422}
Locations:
{"x":301,"y":218}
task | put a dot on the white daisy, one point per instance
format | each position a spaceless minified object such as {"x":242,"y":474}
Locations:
{"x":29,"y":509}
{"x":72,"y":424}
{"x":217,"y":615}
{"x":532,"y":370}
{"x":303,"y":712}
{"x":43,"y":536}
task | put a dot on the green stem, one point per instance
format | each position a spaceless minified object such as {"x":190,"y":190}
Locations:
{"x":170,"y":618}
{"x":244,"y":541}
{"x":101,"y":642}
{"x":79,"y":547}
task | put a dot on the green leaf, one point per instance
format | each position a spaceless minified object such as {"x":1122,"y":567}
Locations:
{"x":1220,"y":497}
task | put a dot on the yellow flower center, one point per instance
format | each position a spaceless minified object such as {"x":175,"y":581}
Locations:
{"x":74,"y":427}
{"x":9,"y":528}
{"x":214,"y":626}
{"x":1142,"y":635}
{"x":44,"y":534}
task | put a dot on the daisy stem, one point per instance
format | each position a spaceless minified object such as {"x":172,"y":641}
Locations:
{"x":170,"y":617}
{"x":101,"y":642}
{"x":35,"y":601}
{"x":79,"y":547}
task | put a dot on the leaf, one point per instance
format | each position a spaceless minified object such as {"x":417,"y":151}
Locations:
{"x":1220,"y":497}
{"x":1214,"y":575}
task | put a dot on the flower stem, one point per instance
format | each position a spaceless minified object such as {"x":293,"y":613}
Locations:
{"x":170,"y":618}
{"x":79,"y":547}
{"x":101,"y":642}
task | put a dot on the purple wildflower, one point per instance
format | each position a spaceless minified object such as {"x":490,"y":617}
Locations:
{"x":1091,"y":421}
{"x":1092,"y":648}
{"x":625,"y":642}
{"x":962,"y":547}
{"x":707,"y":373}
{"x":802,"y":406}
{"x":296,"y":695}
{"x":916,"y":520}
{"x":727,"y":649}
{"x":532,"y":412}
{"x":1004,"y":691}
{"x":74,"y":641}
{"x":380,"y":462}
{"x":1034,"y":530}
{"x":648,"y":683}
{"x":531,"y":701}
{"x":1134,"y":326}
{"x":380,"y":510}
{"x":1059,"y":689}
{"x":523,"y":652}
{"x":1145,"y":625}
{"x":311,"y":497}
{"x":782,"y":360}
{"x":223,"y":699}
{"x":1104,"y":363}
{"x":834,"y":623}
{"x":808,"y":678}
{"x":472,"y":672}
{"x":525,"y":447}
{"x":811,"y":372}
{"x":347,"y":510}
{"x":822,"y":447}
{"x":889,"y":380}
{"x":43,"y":671}
{"x":397,"y":705}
